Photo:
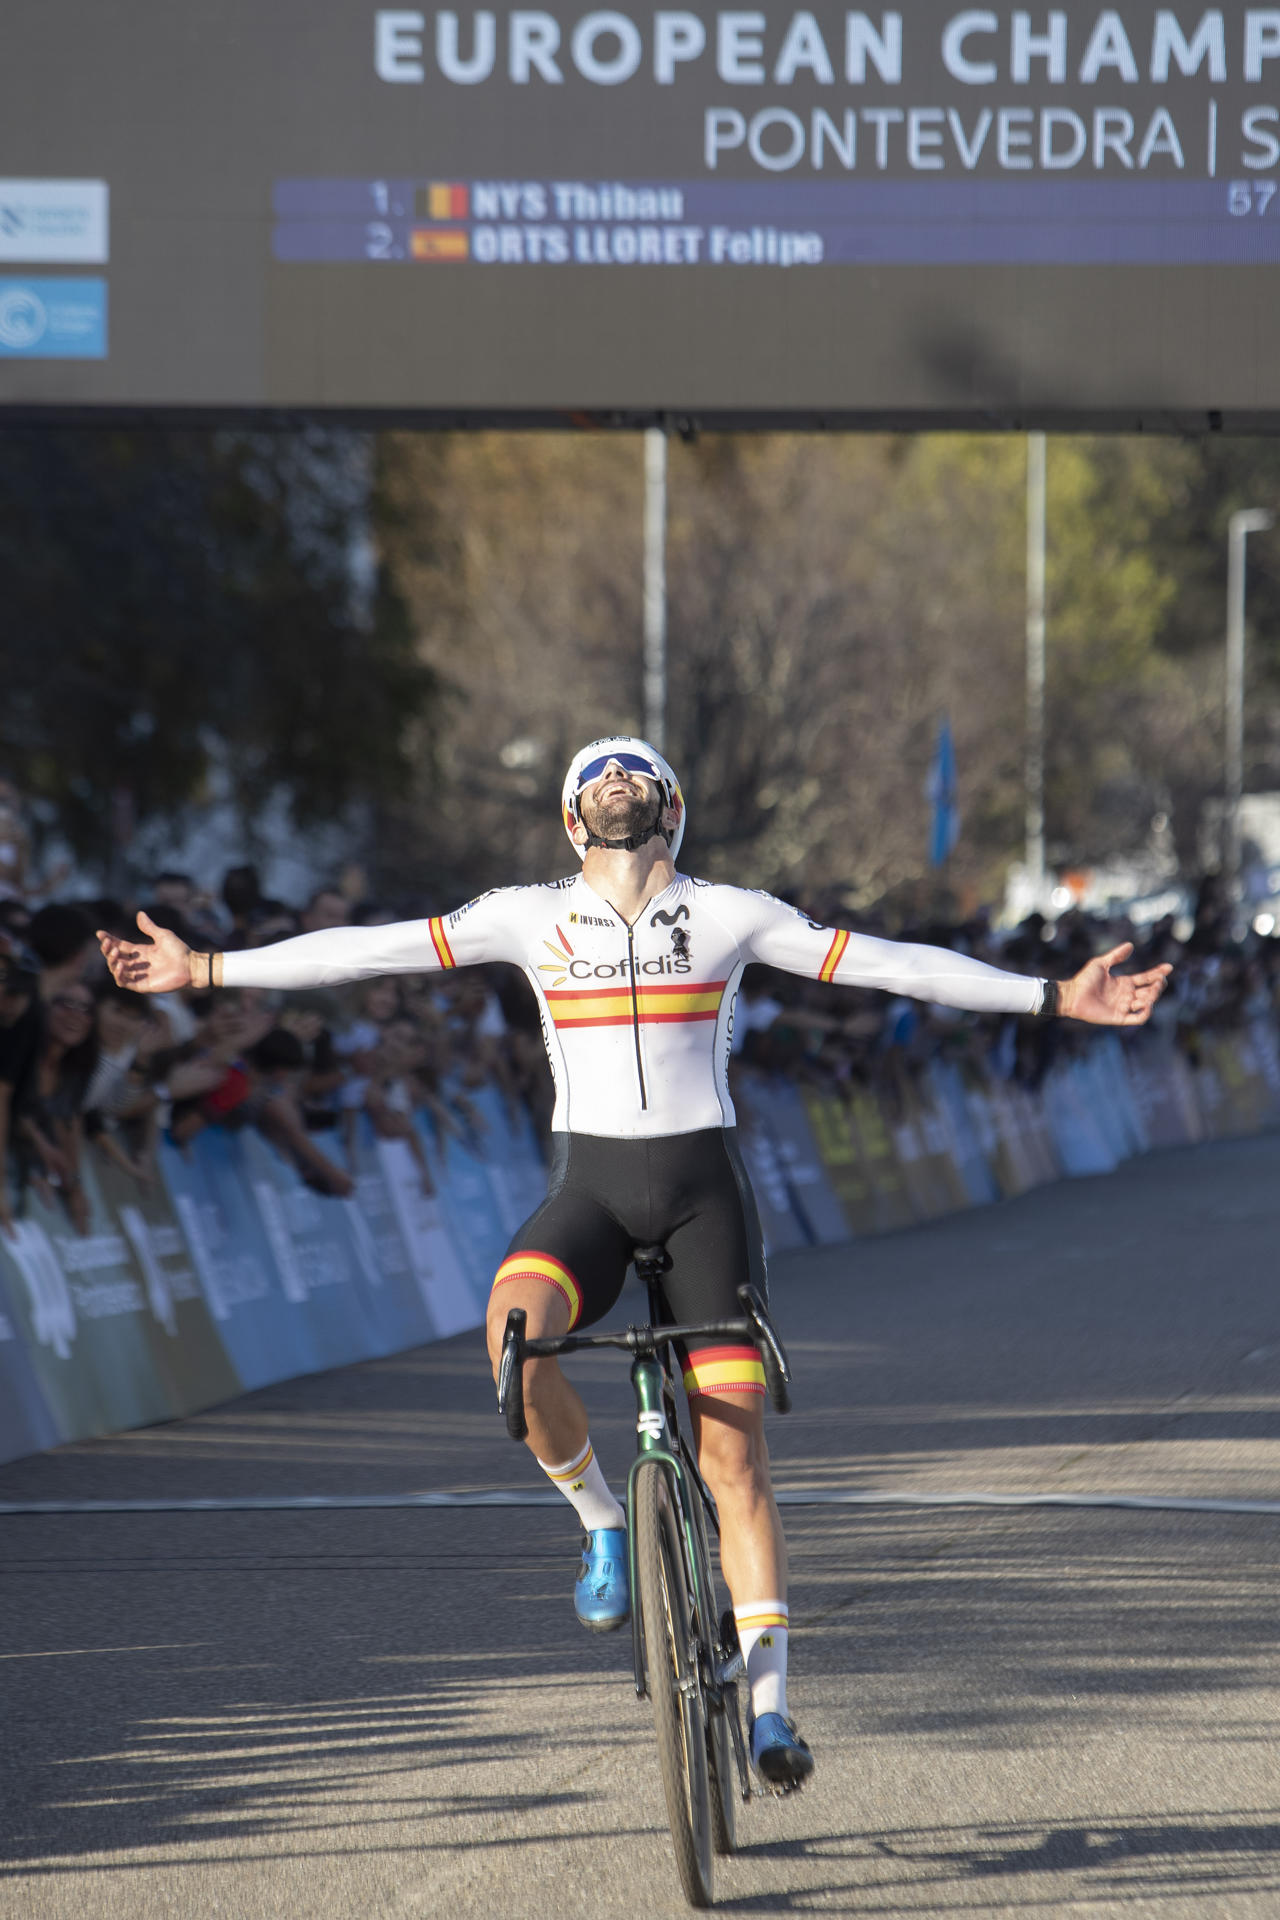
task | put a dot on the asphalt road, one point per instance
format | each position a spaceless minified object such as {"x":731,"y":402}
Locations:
{"x":351,"y":1713}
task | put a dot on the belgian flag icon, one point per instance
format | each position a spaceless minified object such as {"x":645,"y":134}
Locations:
{"x":441,"y":200}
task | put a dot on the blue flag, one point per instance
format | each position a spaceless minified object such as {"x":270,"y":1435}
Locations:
{"x":941,"y":790}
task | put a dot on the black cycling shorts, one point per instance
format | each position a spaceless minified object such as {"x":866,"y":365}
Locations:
{"x":688,"y":1192}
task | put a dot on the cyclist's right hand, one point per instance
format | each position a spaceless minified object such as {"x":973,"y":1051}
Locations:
{"x":162,"y":967}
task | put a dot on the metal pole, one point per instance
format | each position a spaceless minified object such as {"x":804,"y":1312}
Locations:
{"x":1036,"y":468}
{"x":655,"y":587}
{"x":1248,"y":520}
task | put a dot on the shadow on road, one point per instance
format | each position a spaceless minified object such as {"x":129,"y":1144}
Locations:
{"x":1191,"y":1855}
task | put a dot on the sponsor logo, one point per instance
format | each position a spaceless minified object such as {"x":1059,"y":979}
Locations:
{"x":23,"y":320}
{"x":53,"y":222}
{"x":589,"y":920}
{"x":570,"y":969}
{"x":652,"y":1425}
{"x":459,"y":914}
{"x":53,"y":319}
{"x":562,"y":957}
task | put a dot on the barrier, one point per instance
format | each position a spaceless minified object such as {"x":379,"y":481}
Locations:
{"x":949,"y":1137}
{"x":228,"y":1272}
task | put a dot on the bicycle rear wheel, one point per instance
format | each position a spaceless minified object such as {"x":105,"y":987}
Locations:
{"x":675,"y":1684}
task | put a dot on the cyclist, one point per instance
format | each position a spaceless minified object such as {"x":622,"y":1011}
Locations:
{"x":636,"y":969}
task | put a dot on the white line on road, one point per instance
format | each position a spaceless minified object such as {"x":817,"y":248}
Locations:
{"x":539,"y":1497}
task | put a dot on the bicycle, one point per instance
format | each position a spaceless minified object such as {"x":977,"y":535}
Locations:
{"x":686,"y":1654}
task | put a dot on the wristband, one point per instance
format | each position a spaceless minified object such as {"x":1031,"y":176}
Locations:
{"x":1049,"y":1001}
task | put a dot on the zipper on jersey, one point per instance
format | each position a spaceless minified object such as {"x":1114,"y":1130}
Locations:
{"x":635,"y":1015}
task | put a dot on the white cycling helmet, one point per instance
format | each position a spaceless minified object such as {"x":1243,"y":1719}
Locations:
{"x":637,"y":756}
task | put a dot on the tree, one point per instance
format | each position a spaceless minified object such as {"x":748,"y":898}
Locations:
{"x":176,"y":598}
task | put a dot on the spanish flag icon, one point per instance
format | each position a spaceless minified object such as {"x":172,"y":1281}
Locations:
{"x":441,"y":200}
{"x":439,"y":243}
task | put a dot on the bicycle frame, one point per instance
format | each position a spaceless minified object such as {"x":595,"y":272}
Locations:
{"x":655,"y":1443}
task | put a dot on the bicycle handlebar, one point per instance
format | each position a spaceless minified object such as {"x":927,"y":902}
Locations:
{"x":755,"y":1326}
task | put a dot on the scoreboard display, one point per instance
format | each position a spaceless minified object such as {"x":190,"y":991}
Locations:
{"x":920,"y":214}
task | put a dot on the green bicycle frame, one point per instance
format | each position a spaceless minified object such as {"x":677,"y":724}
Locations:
{"x":655,"y":1443}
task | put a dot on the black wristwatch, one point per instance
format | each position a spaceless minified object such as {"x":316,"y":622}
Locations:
{"x":1048,"y":1001}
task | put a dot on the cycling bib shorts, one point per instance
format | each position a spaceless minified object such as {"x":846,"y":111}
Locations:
{"x":688,"y":1192}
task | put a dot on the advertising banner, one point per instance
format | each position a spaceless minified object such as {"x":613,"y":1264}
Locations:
{"x":780,"y":1224}
{"x":229,"y":1272}
{"x":913,"y":213}
{"x":846,"y":1172}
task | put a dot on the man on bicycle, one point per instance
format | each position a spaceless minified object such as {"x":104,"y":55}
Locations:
{"x":636,"y":970}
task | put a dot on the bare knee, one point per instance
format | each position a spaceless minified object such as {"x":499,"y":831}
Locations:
{"x":734,"y":1458}
{"x":545,"y":1314}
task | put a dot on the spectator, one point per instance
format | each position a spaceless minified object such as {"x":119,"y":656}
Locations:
{"x":242,"y":897}
{"x":15,"y":844}
{"x":20,"y":1038}
{"x":278,"y":1066}
{"x":51,"y":1125}
{"x":61,"y":938}
{"x":120,"y":1108}
{"x":327,"y":907}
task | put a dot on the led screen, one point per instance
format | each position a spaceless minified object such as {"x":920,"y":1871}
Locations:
{"x":927,"y":212}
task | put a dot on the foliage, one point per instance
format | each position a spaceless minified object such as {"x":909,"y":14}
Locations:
{"x":174,"y":599}
{"x":432,"y":623}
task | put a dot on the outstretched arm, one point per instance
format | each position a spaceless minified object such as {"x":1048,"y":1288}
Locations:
{"x":1107,"y":999}
{"x":783,"y":937}
{"x":474,"y":933}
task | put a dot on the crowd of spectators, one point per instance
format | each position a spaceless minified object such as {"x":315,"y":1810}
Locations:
{"x":1221,"y":980}
{"x":87,"y":1066}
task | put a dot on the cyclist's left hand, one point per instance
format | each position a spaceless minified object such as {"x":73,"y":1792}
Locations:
{"x":1108,"y":999}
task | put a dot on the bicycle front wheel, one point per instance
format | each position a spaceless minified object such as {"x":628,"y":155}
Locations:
{"x":675,"y":1684}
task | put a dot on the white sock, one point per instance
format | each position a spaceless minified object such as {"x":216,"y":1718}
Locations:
{"x":762,"y":1632}
{"x":587,"y":1491}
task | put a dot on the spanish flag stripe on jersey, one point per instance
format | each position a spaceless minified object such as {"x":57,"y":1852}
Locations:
{"x":440,"y":941}
{"x":540,"y":1266}
{"x":654,"y":1005}
{"x":835,"y":953}
{"x":646,"y":990}
{"x":724,"y":1370}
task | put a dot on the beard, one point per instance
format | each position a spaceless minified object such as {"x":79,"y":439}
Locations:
{"x":622,"y":816}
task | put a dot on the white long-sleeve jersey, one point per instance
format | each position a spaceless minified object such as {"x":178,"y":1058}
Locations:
{"x":637,"y":1019}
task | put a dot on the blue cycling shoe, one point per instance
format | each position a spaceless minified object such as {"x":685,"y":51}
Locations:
{"x":778,"y":1754}
{"x":601,"y":1594}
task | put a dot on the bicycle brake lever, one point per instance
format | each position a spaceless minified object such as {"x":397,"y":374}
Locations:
{"x":511,"y":1375}
{"x":777,"y":1368}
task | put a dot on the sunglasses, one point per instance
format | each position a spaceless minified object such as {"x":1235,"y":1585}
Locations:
{"x":630,"y":762}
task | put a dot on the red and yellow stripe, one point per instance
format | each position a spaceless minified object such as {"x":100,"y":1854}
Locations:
{"x":750,"y":1619}
{"x":440,"y":941}
{"x":563,"y":1475}
{"x":656,"y":1006}
{"x":835,"y":954}
{"x":527,"y":1265}
{"x":724,"y":1370}
{"x":439,"y":243}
